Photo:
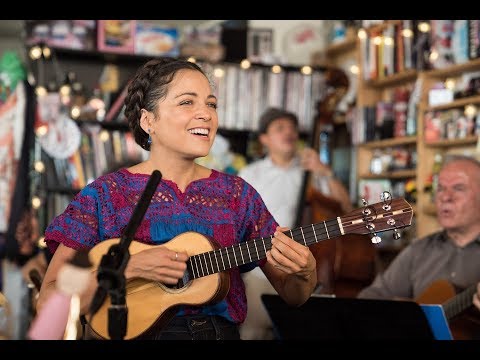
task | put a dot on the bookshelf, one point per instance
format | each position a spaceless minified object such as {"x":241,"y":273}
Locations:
{"x":376,"y":89}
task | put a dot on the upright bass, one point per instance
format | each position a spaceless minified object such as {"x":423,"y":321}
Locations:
{"x":344,"y":265}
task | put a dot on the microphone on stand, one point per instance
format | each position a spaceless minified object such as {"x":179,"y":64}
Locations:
{"x":111,"y":271}
{"x":56,"y":320}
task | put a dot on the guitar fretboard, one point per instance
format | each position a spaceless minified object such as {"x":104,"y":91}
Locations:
{"x":459,"y":302}
{"x":253,"y":250}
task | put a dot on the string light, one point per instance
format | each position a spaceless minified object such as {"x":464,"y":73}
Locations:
{"x":41,"y":91}
{"x":36,"y":202}
{"x":41,"y":130}
{"x":306,"y":70}
{"x":46,"y":52}
{"x":354,"y":69}
{"x":470,"y":110}
{"x":75,"y":112}
{"x":41,"y":242}
{"x":245,"y":64}
{"x":35,"y":52}
{"x":407,"y":33}
{"x":424,"y":26}
{"x":39,"y":166}
{"x":362,"y":34}
{"x":276,"y":69}
{"x":218,"y":72}
{"x":104,"y":135}
{"x":450,"y":84}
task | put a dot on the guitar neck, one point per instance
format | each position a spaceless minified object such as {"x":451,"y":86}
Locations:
{"x":371,"y":219}
{"x":460,"y":302}
{"x":253,"y":250}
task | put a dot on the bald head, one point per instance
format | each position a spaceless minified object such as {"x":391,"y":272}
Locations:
{"x":458,"y":197}
{"x":462,"y":158}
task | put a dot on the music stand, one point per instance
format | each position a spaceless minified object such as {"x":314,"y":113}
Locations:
{"x":328,"y":318}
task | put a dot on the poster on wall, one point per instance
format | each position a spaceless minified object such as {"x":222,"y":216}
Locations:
{"x":116,"y":36}
{"x":259,"y":45}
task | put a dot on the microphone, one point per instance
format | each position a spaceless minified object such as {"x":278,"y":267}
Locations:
{"x":62,"y":309}
{"x":35,"y":278}
{"x":140,"y":210}
{"x":110,"y":274}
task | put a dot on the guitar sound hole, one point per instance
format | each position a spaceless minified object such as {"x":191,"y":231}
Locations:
{"x":181,"y":283}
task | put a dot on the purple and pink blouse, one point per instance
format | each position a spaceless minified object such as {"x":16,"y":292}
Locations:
{"x":223,"y":207}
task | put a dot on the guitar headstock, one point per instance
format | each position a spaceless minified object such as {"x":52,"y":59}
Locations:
{"x":390,"y":214}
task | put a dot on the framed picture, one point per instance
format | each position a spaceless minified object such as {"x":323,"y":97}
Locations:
{"x":117,"y":36}
{"x":154,"y":40}
{"x":259,"y":45}
{"x":69,"y":34}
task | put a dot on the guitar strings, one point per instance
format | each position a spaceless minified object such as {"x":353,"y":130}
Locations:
{"x":310,"y":235}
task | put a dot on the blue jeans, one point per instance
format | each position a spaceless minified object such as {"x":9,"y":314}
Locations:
{"x":197,"y":327}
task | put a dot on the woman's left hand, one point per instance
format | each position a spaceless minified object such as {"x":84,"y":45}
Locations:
{"x":290,"y":256}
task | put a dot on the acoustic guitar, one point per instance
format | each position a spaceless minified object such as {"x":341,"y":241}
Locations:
{"x":464,"y":326}
{"x":207,"y":280}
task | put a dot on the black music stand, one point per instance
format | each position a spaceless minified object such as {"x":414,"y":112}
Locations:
{"x":332,"y":318}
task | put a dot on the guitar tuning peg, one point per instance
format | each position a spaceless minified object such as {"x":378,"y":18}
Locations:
{"x":396,"y":234}
{"x":386,"y":196}
{"x":364,"y":202}
{"x":376,"y":239}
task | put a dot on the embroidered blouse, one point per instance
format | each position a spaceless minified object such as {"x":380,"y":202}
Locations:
{"x":223,"y":207}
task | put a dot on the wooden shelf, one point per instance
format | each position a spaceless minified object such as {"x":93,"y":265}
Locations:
{"x":456,"y":104}
{"x":397,"y":174}
{"x":342,"y":47}
{"x":470,"y":140}
{"x":454,"y":70}
{"x":394,"y":80}
{"x":390,"y":142}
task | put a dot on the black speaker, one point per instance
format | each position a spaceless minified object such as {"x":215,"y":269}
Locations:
{"x":235,"y":42}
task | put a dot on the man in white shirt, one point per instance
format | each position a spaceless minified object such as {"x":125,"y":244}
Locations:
{"x":278,"y":178}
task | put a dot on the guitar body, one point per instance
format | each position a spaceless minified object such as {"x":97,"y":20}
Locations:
{"x":154,"y":304}
{"x":464,"y":323}
{"x":437,"y":293}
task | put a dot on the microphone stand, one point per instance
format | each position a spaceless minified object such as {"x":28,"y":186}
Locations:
{"x":111,"y":271}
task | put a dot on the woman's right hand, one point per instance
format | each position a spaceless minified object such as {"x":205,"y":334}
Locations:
{"x":158,"y":264}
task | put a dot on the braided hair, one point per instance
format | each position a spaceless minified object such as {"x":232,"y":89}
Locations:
{"x":148,"y":86}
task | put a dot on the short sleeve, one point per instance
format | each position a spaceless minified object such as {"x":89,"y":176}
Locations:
{"x":78,"y":226}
